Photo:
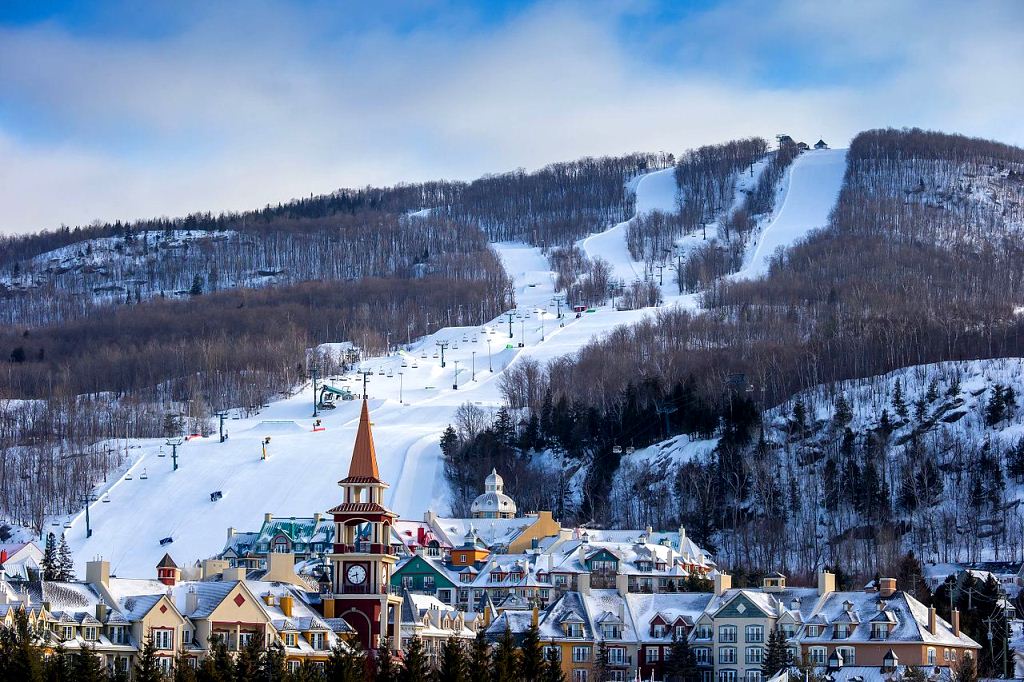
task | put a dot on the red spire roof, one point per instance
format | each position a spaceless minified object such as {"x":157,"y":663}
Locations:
{"x":364,"y":457}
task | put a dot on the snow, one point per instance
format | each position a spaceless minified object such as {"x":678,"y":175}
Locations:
{"x":410,"y":407}
{"x":809,"y":190}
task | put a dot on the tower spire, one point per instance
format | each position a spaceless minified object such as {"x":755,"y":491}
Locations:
{"x":364,"y":457}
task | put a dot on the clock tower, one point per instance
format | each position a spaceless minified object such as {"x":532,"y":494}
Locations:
{"x":363,"y":559}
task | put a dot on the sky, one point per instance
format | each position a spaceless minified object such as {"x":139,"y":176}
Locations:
{"x":120,"y":110}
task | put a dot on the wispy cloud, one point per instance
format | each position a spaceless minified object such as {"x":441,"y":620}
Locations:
{"x":242,"y":105}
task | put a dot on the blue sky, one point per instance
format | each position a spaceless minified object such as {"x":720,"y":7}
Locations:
{"x":127,"y":109}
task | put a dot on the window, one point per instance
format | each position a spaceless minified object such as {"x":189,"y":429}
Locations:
{"x":703,"y":632}
{"x":727,"y":654}
{"x":579,"y":675}
{"x":703,"y":655}
{"x":842,"y":630}
{"x":580,"y":654}
{"x":67,"y":633}
{"x":813,"y":630}
{"x":727,"y":676}
{"x":407,"y":582}
{"x":616,"y":655}
{"x":316,"y":640}
{"x":849,"y":655}
{"x":244,"y":638}
{"x":754,"y":655}
{"x":281,"y":546}
{"x":552,"y":653}
{"x":163,"y":639}
{"x":753,"y":676}
{"x":652,"y":654}
{"x":611,"y":632}
{"x":293,"y":666}
{"x":617,"y":675}
{"x":727,"y":633}
{"x":755,"y":634}
{"x":707,"y":675}
{"x":574,"y":630}
{"x":445,"y":596}
{"x":658,"y":630}
{"x":931,"y":655}
{"x":817,"y":655}
{"x":89,"y":633}
{"x":290,"y":639}
{"x":680,"y":632}
{"x":164,"y":663}
{"x":788,"y":630}
{"x":945,"y":654}
{"x":118,"y":635}
{"x":428,"y":582}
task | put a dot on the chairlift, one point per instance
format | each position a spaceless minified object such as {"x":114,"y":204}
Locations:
{"x":423,"y":355}
{"x":144,"y":475}
{"x":391,"y":373}
{"x":475,"y":339}
{"x":404,"y":363}
{"x":106,"y":499}
{"x":436,"y":356}
{"x":67,"y":524}
{"x":455,"y":346}
{"x":617,"y":450}
{"x":380,"y":371}
{"x":128,"y":477}
{"x":161,"y":453}
{"x":464,"y":339}
{"x":414,"y":365}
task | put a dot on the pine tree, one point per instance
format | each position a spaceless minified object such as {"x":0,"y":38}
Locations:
{"x":910,"y":577}
{"x":197,"y":286}
{"x":453,"y":666}
{"x":843,"y":415}
{"x":58,"y":666}
{"x":218,"y":666}
{"x":346,"y":663}
{"x":65,"y":562}
{"x":505,"y":664}
{"x":21,"y":658}
{"x":387,"y":668}
{"x":553,"y":668}
{"x":799,"y":416}
{"x":601,"y":662}
{"x":449,"y":443}
{"x":183,"y":672}
{"x":272,"y":664}
{"x":899,"y":405}
{"x":933,"y":391}
{"x":777,"y":655}
{"x":416,"y":668}
{"x":146,"y":668}
{"x":914,"y":673}
{"x":682,"y":662}
{"x":49,"y":563}
{"x":88,"y":666}
{"x":532,"y":653}
{"x":249,"y":660}
{"x":480,"y":657}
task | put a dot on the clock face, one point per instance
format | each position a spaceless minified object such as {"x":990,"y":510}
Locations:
{"x":355,"y":575}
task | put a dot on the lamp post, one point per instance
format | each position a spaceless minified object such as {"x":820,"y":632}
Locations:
{"x":400,"y":388}
{"x":315,"y":373}
{"x":455,"y":384}
{"x":490,"y":368}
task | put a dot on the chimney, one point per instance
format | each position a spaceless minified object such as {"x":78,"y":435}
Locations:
{"x":231,"y":532}
{"x":268,"y":599}
{"x":826,"y":583}
{"x":281,"y":568}
{"x":212,"y":568}
{"x":622,"y":584}
{"x":97,"y":572}
{"x":886,"y":587}
{"x":535,"y":618}
{"x":285,"y":602}
{"x":723,"y":582}
{"x":682,"y":537}
{"x":328,"y":608}
{"x":933,"y":626}
{"x":191,"y":602}
{"x":954,"y":621}
{"x":234,"y":574}
{"x":268,"y":517}
{"x":317,"y":517}
{"x":583,"y":583}
{"x":101,"y":612}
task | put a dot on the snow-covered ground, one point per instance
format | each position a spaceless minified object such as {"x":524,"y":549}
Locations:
{"x":412,"y":399}
{"x":808,"y":190}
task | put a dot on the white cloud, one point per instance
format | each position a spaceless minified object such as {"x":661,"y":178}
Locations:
{"x":240,"y":110}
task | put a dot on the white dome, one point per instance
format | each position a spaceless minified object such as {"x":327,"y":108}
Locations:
{"x":494,"y":483}
{"x":493,"y":502}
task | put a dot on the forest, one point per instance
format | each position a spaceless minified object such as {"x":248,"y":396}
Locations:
{"x":917,"y":266}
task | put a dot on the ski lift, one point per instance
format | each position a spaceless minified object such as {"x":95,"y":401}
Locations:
{"x":404,"y":363}
{"x":391,"y":373}
{"x":414,"y":365}
{"x":128,"y":476}
{"x":161,"y":452}
{"x":144,"y":475}
{"x":455,"y":346}
{"x":166,"y":541}
{"x":617,"y":450}
{"x":67,"y":524}
{"x":464,"y":339}
{"x":630,"y":450}
{"x":106,"y":499}
{"x":380,"y":371}
{"x":423,"y":355}
{"x":436,"y":356}
{"x":475,"y":339}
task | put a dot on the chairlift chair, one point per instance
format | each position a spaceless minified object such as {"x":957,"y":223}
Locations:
{"x":404,"y":363}
{"x":67,"y":524}
{"x":380,"y":371}
{"x":391,"y":373}
{"x":414,"y":365}
{"x":436,"y":355}
{"x":423,"y":355}
{"x":464,"y":339}
{"x":617,"y":450}
{"x":106,"y":499}
{"x":127,"y":477}
{"x":475,"y":339}
{"x":144,"y":475}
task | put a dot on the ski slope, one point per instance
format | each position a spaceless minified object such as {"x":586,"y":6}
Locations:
{"x":809,"y":191}
{"x":412,"y":399}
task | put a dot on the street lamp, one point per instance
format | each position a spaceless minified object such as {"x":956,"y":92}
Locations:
{"x":522,"y":332}
{"x":455,"y":385}
{"x":489,"y":367}
{"x":400,"y":388}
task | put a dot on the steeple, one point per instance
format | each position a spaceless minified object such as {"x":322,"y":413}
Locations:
{"x":364,"y":458}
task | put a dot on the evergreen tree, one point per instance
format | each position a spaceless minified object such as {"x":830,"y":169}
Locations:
{"x":910,"y":577}
{"x":480,"y":657}
{"x":914,"y":673}
{"x":899,"y":404}
{"x":843,"y":415}
{"x":601,"y":662}
{"x":146,"y":668}
{"x":88,"y":666}
{"x":799,"y":416}
{"x":416,"y":667}
{"x":218,"y":666}
{"x":777,"y":655}
{"x":249,"y":660}
{"x":49,"y":563}
{"x":346,"y":663}
{"x":453,"y":666}
{"x":933,"y":391}
{"x":21,"y":657}
{"x":553,"y":668}
{"x":995,"y":409}
{"x":387,"y":668}
{"x":183,"y":672}
{"x":272,"y":664}
{"x":449,"y":443}
{"x":532,"y":653}
{"x":58,"y":666}
{"x":682,"y":662}
{"x":505,"y":666}
{"x":965,"y":670}
{"x":65,"y":562}
{"x":197,"y":286}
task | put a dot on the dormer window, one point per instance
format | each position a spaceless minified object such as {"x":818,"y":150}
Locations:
{"x":574,"y":630}
{"x":879,"y":631}
{"x":842,"y":630}
{"x":611,"y":632}
{"x":813,"y":631}
{"x":658,"y":630}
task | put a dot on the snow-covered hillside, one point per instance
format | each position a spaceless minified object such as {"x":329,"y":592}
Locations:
{"x":412,"y":399}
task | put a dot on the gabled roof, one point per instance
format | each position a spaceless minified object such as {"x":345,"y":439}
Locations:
{"x":167,"y":562}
